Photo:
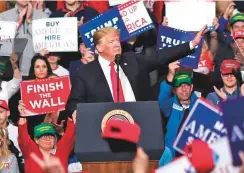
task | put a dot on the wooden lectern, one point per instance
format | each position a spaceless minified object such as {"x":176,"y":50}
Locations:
{"x":114,"y":167}
{"x":95,"y":153}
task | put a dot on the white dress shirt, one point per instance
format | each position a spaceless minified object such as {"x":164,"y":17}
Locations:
{"x":127,"y":90}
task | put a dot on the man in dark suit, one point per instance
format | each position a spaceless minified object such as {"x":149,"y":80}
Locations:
{"x":97,"y":81}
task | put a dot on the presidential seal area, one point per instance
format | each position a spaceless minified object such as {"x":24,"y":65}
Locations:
{"x":116,"y":114}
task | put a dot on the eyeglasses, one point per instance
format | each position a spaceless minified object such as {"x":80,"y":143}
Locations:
{"x":47,"y":137}
{"x":228,"y":75}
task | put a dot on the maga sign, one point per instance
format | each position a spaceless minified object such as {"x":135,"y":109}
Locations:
{"x":7,"y":35}
{"x":45,"y":96}
{"x":55,"y":34}
{"x":168,"y":37}
{"x":130,"y":18}
{"x":204,"y":122}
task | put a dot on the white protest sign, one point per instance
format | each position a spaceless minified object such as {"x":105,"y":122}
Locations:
{"x":190,"y":15}
{"x":7,"y":35}
{"x":55,"y":34}
{"x":116,"y":2}
{"x":134,"y":16}
{"x":224,"y":163}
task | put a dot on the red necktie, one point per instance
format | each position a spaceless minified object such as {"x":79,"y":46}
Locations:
{"x":114,"y":78}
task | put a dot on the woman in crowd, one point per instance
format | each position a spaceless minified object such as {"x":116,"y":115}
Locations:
{"x":8,"y":161}
{"x":45,"y":144}
{"x":40,"y":69}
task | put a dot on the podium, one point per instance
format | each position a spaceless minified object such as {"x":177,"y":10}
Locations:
{"x":94,"y":152}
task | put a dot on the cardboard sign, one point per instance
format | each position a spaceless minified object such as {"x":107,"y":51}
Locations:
{"x":7,"y":35}
{"x":204,"y":122}
{"x":45,"y":96}
{"x":234,"y":122}
{"x":190,"y":15}
{"x":116,"y":2}
{"x":130,"y":18}
{"x":168,"y":37}
{"x":55,"y":34}
{"x":223,"y":165}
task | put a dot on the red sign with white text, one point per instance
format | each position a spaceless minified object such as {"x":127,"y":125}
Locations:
{"x":46,"y":95}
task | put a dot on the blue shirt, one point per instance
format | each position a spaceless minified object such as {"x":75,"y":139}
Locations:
{"x":215,"y":99}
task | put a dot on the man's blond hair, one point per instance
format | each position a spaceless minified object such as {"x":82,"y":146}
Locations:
{"x":99,"y":34}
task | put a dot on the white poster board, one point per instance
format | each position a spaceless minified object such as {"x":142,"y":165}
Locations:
{"x":116,"y":2}
{"x":190,"y":15}
{"x":224,"y":163}
{"x":55,"y":34}
{"x":7,"y":35}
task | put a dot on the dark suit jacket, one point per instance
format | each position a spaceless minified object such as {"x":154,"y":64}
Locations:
{"x":91,"y":85}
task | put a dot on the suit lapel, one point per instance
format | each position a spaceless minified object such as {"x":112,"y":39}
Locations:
{"x":131,"y":75}
{"x":101,"y":82}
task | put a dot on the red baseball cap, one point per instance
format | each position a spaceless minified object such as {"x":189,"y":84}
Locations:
{"x":227,"y":66}
{"x":238,"y":34}
{"x":123,"y":130}
{"x":4,"y":104}
{"x":200,"y":156}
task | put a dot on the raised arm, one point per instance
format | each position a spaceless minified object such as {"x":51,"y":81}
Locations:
{"x":164,"y":98}
{"x":13,"y":85}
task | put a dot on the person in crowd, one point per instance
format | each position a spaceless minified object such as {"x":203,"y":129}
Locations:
{"x":176,"y":107}
{"x":8,"y":161}
{"x":9,"y":88}
{"x":45,"y":144}
{"x":23,"y":14}
{"x":40,"y":68}
{"x":87,"y":56}
{"x":134,"y":83}
{"x":40,"y":5}
{"x":75,"y":8}
{"x":12,"y":131}
{"x":53,"y":58}
{"x":231,"y":78}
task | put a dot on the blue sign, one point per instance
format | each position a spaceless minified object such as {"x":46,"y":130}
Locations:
{"x":168,"y":37}
{"x":112,"y":18}
{"x":204,"y":122}
{"x":234,"y":122}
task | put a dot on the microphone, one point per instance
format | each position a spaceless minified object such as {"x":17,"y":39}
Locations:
{"x":117,"y":61}
{"x":117,"y":58}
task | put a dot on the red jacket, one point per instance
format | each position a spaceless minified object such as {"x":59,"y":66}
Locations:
{"x":27,"y":146}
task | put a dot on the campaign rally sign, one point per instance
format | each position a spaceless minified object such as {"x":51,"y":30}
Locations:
{"x":7,"y":35}
{"x":190,"y":15}
{"x":223,"y":162}
{"x":204,"y":122}
{"x":55,"y":34}
{"x":130,"y":18}
{"x":46,"y":95}
{"x":168,"y":37}
{"x":234,"y":122}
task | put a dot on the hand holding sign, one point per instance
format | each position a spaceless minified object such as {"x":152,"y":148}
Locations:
{"x":241,"y":155}
{"x":172,"y":69}
{"x":81,"y":21}
{"x":21,"y":108}
{"x":199,"y":36}
{"x":229,"y":10}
